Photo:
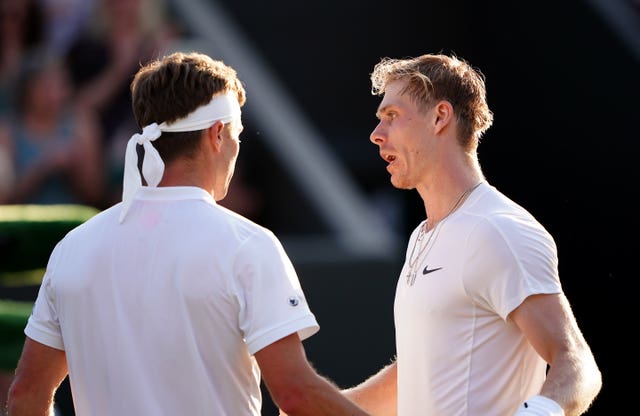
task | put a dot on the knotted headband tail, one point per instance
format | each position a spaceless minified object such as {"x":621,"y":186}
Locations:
{"x":152,"y":165}
{"x":221,"y":108}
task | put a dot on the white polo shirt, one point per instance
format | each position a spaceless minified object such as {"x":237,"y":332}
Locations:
{"x":161,"y":315}
{"x":457,"y":353}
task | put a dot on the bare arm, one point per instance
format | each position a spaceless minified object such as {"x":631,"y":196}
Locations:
{"x":40,"y":371}
{"x":295,"y":386}
{"x":573,"y":380}
{"x":379,"y":393}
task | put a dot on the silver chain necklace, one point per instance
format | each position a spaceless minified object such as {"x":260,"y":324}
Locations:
{"x":426,"y":247}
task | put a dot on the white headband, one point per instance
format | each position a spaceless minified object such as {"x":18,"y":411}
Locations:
{"x":221,"y":108}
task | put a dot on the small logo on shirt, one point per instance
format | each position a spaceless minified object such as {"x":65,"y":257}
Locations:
{"x":427,"y":270}
{"x":293,"y":301}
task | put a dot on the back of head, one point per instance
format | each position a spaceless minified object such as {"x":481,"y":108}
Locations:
{"x":431,"y":78}
{"x":171,"y":88}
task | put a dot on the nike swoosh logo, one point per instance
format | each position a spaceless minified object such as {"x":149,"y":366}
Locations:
{"x":427,"y":270}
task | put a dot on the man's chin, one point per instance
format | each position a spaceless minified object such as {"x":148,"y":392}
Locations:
{"x":399,"y":184}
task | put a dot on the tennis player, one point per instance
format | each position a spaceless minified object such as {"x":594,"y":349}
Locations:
{"x":167,"y":303}
{"x":483,"y":327}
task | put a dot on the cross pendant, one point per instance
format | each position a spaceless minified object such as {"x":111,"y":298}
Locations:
{"x":411,"y":277}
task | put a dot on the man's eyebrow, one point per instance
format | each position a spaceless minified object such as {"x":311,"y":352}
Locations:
{"x":382,"y":110}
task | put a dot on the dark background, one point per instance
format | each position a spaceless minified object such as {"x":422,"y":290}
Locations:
{"x":564,"y":90}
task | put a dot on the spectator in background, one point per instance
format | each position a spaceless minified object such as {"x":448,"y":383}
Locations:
{"x":65,"y":21}
{"x":7,"y":174}
{"x":122,"y":35}
{"x":21,"y":29}
{"x":53,"y":144}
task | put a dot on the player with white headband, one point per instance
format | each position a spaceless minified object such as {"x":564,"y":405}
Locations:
{"x":168,"y":303}
{"x":223,"y":108}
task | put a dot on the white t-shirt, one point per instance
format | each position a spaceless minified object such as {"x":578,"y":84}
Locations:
{"x":161,"y":315}
{"x":457,"y":354}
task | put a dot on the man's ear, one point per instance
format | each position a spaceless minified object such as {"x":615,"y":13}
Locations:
{"x":443,"y":112}
{"x":214,"y":135}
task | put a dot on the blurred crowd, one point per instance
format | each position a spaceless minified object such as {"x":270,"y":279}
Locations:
{"x":65,"y":114}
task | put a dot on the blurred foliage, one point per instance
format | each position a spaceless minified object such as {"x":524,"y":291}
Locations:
{"x":28,"y":234}
{"x":13,"y":319}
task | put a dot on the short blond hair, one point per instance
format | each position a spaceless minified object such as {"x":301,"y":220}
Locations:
{"x":431,"y":78}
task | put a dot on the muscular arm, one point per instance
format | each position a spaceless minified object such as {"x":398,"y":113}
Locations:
{"x":379,"y":393}
{"x":573,"y":380}
{"x":295,"y":386}
{"x":40,"y":371}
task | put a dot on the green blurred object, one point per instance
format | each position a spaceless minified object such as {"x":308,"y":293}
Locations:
{"x":22,"y":278}
{"x":13,"y":319}
{"x":28,"y":233}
